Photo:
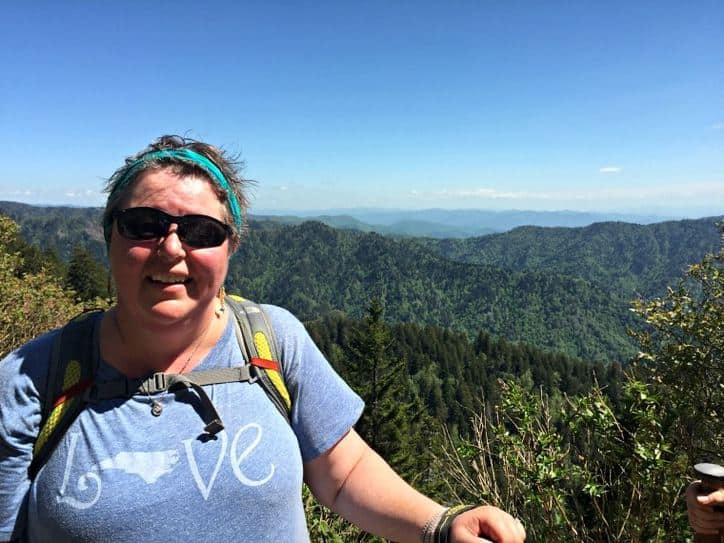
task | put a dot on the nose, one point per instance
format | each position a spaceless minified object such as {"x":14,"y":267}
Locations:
{"x":170,"y":245}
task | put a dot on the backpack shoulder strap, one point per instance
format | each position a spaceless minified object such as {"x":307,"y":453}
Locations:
{"x":72,"y":367}
{"x":256,"y":337}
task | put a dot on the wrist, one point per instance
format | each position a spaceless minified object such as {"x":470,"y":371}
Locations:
{"x":429,"y":528}
{"x":437,"y":528}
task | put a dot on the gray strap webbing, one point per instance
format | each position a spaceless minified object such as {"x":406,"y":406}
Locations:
{"x":210,"y":415}
{"x":162,"y":382}
{"x":242,"y":328}
{"x":159,"y":382}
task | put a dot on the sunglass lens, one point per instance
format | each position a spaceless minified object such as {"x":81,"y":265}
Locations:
{"x":142,"y":224}
{"x":203,"y":232}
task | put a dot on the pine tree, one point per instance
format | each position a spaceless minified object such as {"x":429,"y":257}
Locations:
{"x":393,"y":420}
{"x":86,"y":276}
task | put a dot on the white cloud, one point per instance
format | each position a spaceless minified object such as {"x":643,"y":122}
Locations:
{"x":16,"y":192}
{"x":74,"y":193}
{"x":610,"y":169}
{"x":717,"y":126}
{"x":53,"y":195}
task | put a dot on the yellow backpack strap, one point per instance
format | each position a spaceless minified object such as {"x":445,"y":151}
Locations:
{"x":72,"y":367}
{"x":256,"y":337}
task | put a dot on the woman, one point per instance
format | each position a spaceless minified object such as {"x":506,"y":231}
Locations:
{"x":138,"y":468}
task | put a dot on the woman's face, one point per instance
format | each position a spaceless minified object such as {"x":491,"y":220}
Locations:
{"x":164,"y":281}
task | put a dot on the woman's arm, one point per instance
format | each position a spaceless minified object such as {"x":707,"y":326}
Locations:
{"x":357,"y":483}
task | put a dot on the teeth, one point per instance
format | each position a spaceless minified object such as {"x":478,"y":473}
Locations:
{"x":168,"y":278}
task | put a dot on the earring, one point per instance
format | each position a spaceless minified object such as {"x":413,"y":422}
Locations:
{"x":222,"y":300}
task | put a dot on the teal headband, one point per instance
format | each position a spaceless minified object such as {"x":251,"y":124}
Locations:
{"x":185,"y":155}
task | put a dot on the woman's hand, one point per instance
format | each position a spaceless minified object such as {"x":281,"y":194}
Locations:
{"x":703,"y":518}
{"x":497,"y":525}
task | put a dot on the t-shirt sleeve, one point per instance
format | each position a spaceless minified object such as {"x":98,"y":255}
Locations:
{"x":324,"y":407}
{"x":22,"y":375}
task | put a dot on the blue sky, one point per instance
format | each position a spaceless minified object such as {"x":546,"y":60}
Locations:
{"x":595,"y":106}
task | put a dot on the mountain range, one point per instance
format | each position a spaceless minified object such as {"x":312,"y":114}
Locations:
{"x":562,"y":289}
{"x":446,"y":223}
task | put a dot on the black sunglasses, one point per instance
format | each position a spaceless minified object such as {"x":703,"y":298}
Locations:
{"x":147,"y":223}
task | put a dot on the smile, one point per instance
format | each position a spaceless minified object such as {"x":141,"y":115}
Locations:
{"x":169,"y":279}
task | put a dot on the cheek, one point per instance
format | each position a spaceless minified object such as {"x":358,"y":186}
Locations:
{"x":126,"y":262}
{"x":218,"y":268}
{"x":213,"y":266}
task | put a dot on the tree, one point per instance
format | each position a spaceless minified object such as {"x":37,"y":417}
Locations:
{"x":682,"y":353}
{"x":86,"y":276}
{"x":30,"y":303}
{"x":572,"y":468}
{"x":393,"y":420}
{"x":381,"y":379}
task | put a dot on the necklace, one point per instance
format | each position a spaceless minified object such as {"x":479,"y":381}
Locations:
{"x":196,"y":348}
{"x":156,"y":406}
{"x":193,"y":352}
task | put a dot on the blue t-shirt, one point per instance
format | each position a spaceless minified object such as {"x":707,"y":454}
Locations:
{"x":122,"y":474}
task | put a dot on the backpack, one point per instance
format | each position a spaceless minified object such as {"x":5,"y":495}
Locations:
{"x":74,"y":361}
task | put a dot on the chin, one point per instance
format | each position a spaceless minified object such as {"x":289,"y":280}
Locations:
{"x":175,"y":310}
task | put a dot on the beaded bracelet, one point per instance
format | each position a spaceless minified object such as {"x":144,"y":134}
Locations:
{"x":437,"y":529}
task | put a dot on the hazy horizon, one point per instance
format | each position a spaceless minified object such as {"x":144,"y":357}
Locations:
{"x":646,"y":215}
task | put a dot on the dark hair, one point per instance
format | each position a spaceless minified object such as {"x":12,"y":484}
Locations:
{"x":229,"y":165}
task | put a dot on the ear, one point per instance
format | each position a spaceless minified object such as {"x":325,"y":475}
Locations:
{"x":233,"y":246}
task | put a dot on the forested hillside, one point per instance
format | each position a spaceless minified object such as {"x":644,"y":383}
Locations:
{"x":313,"y":269}
{"x":628,"y":258}
{"x":59,"y":229}
{"x":455,"y":375}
